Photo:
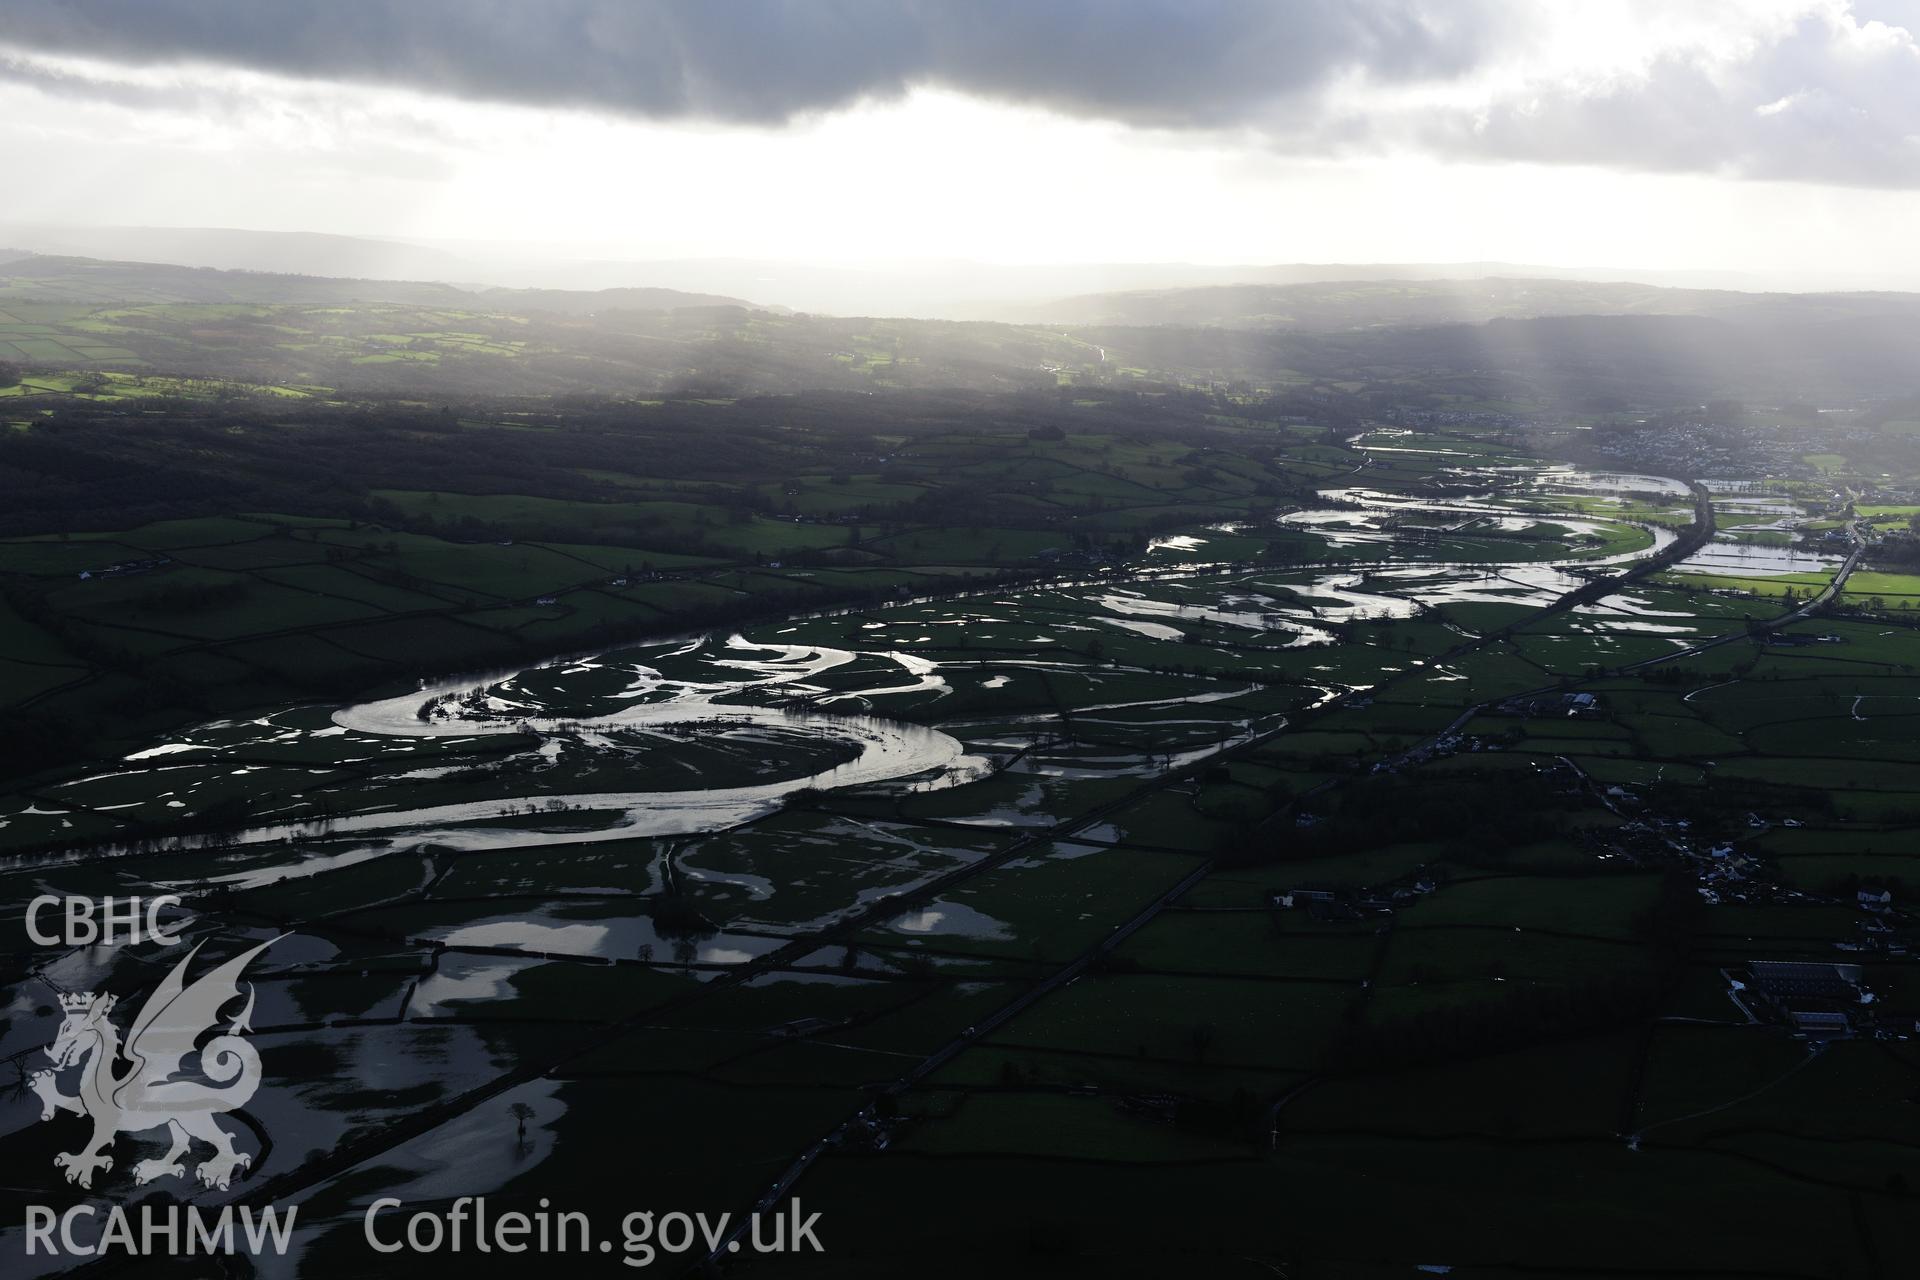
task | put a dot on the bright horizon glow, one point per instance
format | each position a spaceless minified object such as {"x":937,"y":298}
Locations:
{"x":932,"y":175}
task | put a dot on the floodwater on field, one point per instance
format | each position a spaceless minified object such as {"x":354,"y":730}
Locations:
{"x":1246,"y":612}
{"x":1483,"y":503}
{"x":1746,"y":560}
{"x":731,"y":725}
{"x":642,"y":811}
{"x":942,"y":918}
{"x":1610,"y":482}
{"x":706,"y":733}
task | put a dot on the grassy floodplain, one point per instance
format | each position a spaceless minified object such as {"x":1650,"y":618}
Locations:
{"x":1136,"y":695}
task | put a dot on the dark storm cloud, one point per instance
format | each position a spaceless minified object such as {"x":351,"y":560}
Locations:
{"x":1835,"y":98}
{"x":1175,"y":62}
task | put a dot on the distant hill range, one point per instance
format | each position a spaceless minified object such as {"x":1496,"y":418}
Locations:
{"x":300,"y":253}
{"x":1313,"y":306}
{"x":1582,"y":344}
{"x":1331,"y":306}
{"x":92,"y":282}
{"x":948,"y":289}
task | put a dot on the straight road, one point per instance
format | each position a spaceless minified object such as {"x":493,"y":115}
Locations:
{"x":730,"y":1243}
{"x":1684,"y":546}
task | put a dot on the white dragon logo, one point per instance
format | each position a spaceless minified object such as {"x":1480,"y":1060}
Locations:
{"x":148,"y":1094}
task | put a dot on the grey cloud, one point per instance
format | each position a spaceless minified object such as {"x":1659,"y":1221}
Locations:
{"x":61,"y":83}
{"x":1169,"y":62}
{"x":1821,"y":104}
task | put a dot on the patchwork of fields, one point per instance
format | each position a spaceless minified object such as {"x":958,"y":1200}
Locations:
{"x":1327,"y":822}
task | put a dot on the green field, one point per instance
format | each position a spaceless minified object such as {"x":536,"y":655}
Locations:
{"x":851,"y":772}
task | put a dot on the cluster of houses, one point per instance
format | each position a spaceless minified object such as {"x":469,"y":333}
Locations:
{"x":1345,"y":902}
{"x":1704,"y":448}
{"x":125,"y":568}
{"x":1795,"y":639}
{"x":1578,"y":706}
{"x":1880,"y":931}
{"x":1447,"y":744}
{"x":1726,"y":867}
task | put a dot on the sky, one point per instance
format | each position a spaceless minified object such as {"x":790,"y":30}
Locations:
{"x":1773,"y":137}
